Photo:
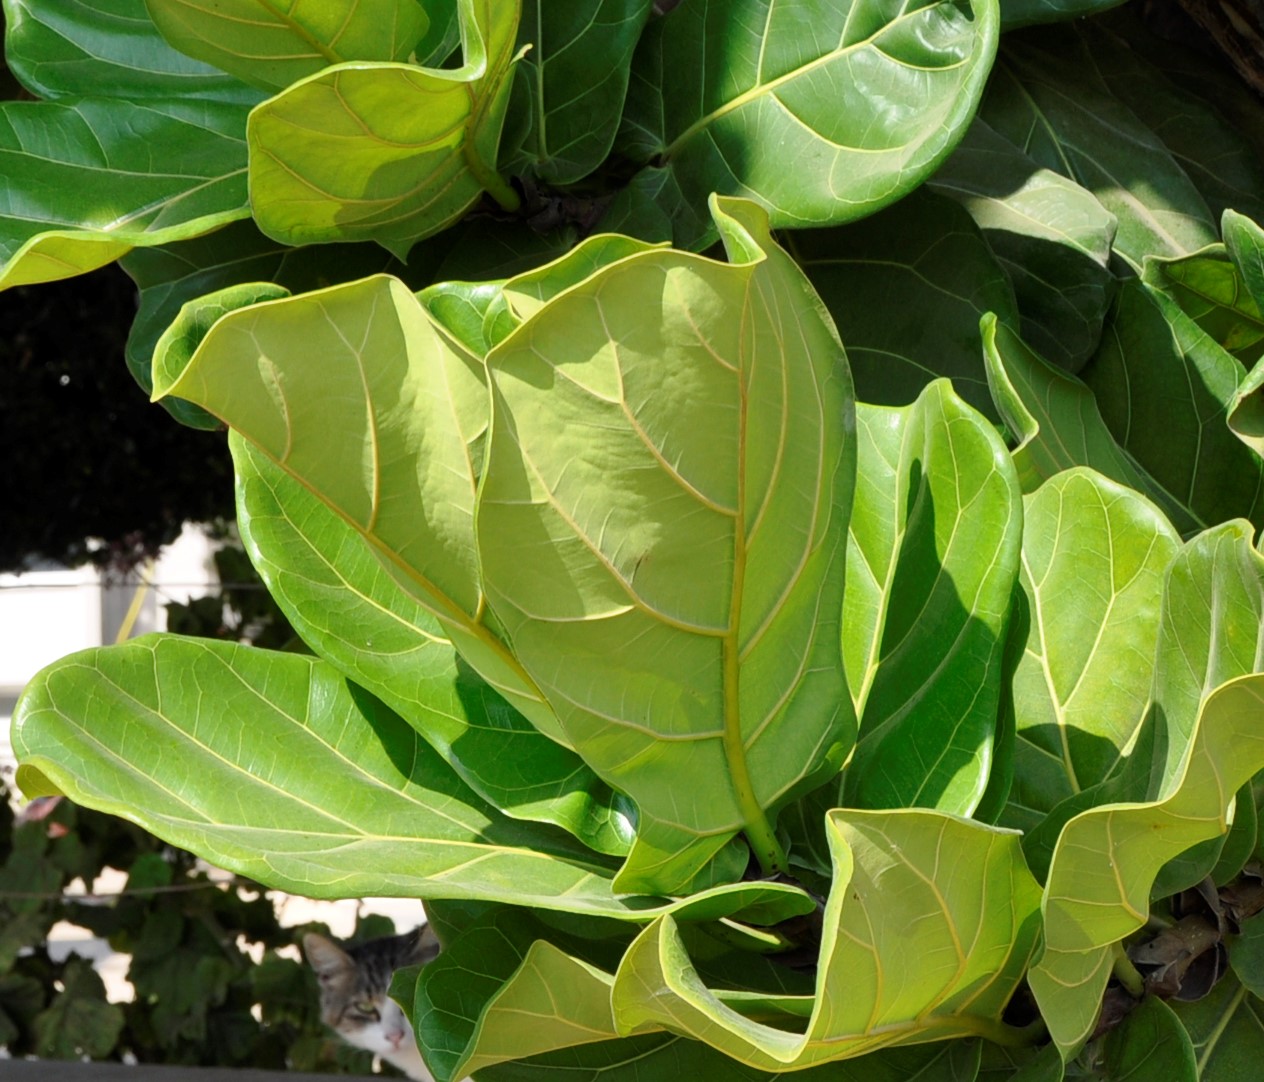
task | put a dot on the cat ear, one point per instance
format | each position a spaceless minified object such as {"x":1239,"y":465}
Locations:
{"x":324,"y":955}
{"x":425,"y":946}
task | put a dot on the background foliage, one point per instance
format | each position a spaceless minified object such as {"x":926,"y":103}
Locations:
{"x":564,"y":516}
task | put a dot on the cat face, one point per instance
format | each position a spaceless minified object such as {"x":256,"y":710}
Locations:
{"x":353,"y":992}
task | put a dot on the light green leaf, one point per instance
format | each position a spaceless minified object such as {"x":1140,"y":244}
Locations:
{"x":1095,"y":556}
{"x":347,"y":606}
{"x":275,"y":766}
{"x":1164,"y":389}
{"x":1107,"y":858}
{"x":82,"y":187}
{"x":1046,"y":99}
{"x":867,"y":103}
{"x":1227,"y":1030}
{"x":403,"y":473}
{"x":1246,"y":410}
{"x":916,"y":945}
{"x":381,"y":151}
{"x":1058,"y":423}
{"x":1052,"y":237}
{"x":1209,"y":290}
{"x":108,"y":48}
{"x":170,"y":275}
{"x":569,"y":88}
{"x":1150,"y":1044}
{"x":924,"y":254}
{"x":932,"y":556}
{"x":270,"y":45}
{"x":661,"y":526}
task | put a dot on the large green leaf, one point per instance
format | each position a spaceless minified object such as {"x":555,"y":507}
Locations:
{"x":661,"y":528}
{"x":1107,"y":858}
{"x":1164,"y":388}
{"x":569,"y":88}
{"x":335,"y":591}
{"x":916,"y":945}
{"x":1227,"y":1031}
{"x":924,"y":254}
{"x":275,"y":766}
{"x":82,"y":185}
{"x":1015,"y":13}
{"x":933,"y":552}
{"x":1046,"y":99}
{"x":108,"y":48}
{"x":383,"y":151}
{"x":1150,"y":1044}
{"x":1058,"y":423}
{"x":1095,"y":555}
{"x":271,"y":45}
{"x":1210,"y":290}
{"x":1052,"y":237}
{"x":170,"y":275}
{"x":864,"y":99}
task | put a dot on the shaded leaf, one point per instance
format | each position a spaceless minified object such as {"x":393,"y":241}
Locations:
{"x":933,"y":555}
{"x":79,"y":1022}
{"x":1227,"y":1031}
{"x":1164,"y":389}
{"x":1107,"y":857}
{"x":569,"y":88}
{"x":1045,"y":98}
{"x":1016,"y":13}
{"x":872,"y":98}
{"x":1052,"y":238}
{"x":276,"y":767}
{"x":1094,"y":560}
{"x":1246,"y":955}
{"x":664,"y":508}
{"x":381,"y":151}
{"x":271,"y":46}
{"x":894,"y":963}
{"x":924,"y":254}
{"x":1150,"y":1044}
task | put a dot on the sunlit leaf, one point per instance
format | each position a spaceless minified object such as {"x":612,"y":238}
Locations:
{"x":1209,"y":290}
{"x":382,"y":151}
{"x":1099,"y":882}
{"x":932,"y":558}
{"x":337,"y":594}
{"x":661,"y":527}
{"x":271,"y":45}
{"x":867,"y":103}
{"x":1095,"y":555}
{"x":275,"y":766}
{"x":108,"y":48}
{"x":916,"y":945}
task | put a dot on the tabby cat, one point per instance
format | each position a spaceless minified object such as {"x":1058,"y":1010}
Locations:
{"x":353,"y":992}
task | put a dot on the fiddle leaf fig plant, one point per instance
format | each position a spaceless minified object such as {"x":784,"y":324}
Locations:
{"x":768,"y":492}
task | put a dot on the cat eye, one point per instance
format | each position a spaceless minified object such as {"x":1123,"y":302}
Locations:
{"x":367,"y":1008}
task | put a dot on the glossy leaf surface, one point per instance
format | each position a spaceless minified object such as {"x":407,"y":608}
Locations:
{"x":381,"y":151}
{"x":570,"y":87}
{"x":1210,"y":290}
{"x":872,"y":99}
{"x":894,"y":964}
{"x":661,"y":528}
{"x":108,"y":48}
{"x":932,"y":558}
{"x":1106,"y":860}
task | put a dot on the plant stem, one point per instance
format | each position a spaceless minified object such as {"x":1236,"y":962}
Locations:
{"x":492,"y":182}
{"x":1126,"y":973}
